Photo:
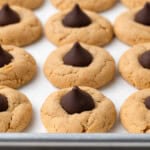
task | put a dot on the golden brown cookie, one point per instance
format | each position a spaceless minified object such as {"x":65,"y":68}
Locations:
{"x":18,"y":68}
{"x":93,"y":5}
{"x":31,"y":4}
{"x":132,"y":27}
{"x":135,"y":112}
{"x":15,"y":110}
{"x":99,"y":119}
{"x":64,"y":28}
{"x":134,"y":3}
{"x":97,"y":73}
{"x":134,"y":66}
{"x":25,"y":31}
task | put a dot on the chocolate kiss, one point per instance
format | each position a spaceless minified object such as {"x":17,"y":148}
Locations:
{"x":8,"y":16}
{"x":5,"y":57}
{"x":147,"y":102}
{"x":77,"y":101}
{"x":3,"y":103}
{"x":144,"y":59}
{"x":143,"y":16}
{"x":78,"y":56}
{"x":76,"y":18}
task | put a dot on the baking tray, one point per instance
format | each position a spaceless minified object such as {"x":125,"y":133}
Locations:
{"x":40,"y":88}
{"x":74,"y":140}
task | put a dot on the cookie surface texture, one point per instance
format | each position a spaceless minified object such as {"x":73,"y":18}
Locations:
{"x":31,"y":4}
{"x":134,"y":114}
{"x":99,"y":119}
{"x":132,"y":4}
{"x":25,"y":32}
{"x":99,"y":32}
{"x":93,"y":5}
{"x":18,"y":115}
{"x":132,"y":66}
{"x":129,"y":31}
{"x":97,"y":74}
{"x":20,"y":70}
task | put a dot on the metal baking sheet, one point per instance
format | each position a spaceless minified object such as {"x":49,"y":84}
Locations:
{"x":40,"y":88}
{"x":74,"y":140}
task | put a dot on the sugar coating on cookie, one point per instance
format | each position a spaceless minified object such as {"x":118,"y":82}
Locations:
{"x":99,"y":119}
{"x":31,"y":4}
{"x":24,"y":32}
{"x":134,"y":66}
{"x":99,"y":31}
{"x":134,"y":3}
{"x":93,"y":5}
{"x":15,"y":110}
{"x":99,"y":71}
{"x":133,"y":27}
{"x":135,"y":112}
{"x":19,"y":69}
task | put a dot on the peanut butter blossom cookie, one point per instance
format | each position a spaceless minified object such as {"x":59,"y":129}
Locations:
{"x":93,"y":5}
{"x":135,"y":112}
{"x":15,"y":110}
{"x":17,"y":67}
{"x":79,"y":64}
{"x":78,"y":25}
{"x":134,"y":3}
{"x":18,"y":26}
{"x":31,"y":4}
{"x":133,"y":27}
{"x":78,"y":110}
{"x":134,"y":66}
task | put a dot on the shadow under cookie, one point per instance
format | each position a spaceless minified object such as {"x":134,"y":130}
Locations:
{"x":70,"y":65}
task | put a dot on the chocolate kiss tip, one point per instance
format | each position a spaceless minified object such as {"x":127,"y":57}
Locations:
{"x":6,"y":6}
{"x":77,"y":7}
{"x":75,"y":88}
{"x":77,"y":101}
{"x":147,"y":5}
{"x":76,"y":18}
{"x":8,"y":16}
{"x":143,"y":16}
{"x":78,"y":56}
{"x":5,"y":57}
{"x":1,"y":49}
{"x":77,"y":44}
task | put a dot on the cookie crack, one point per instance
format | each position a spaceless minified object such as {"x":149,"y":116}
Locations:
{"x":9,"y":124}
{"x":84,"y":129}
{"x":147,"y":129}
{"x":102,"y":27}
{"x":85,"y":124}
{"x":12,"y":114}
{"x":101,"y":69}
